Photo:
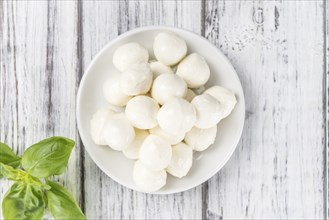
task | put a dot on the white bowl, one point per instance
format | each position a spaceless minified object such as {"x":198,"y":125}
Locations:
{"x":206,"y":163}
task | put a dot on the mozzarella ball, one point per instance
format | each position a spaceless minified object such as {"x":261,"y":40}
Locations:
{"x":181,"y":160}
{"x":176,"y":116}
{"x":129,"y":54}
{"x":158,"y":69}
{"x":194,"y":70}
{"x":200,"y":139}
{"x":132,"y":152}
{"x":112,"y":92}
{"x":171,"y":138}
{"x":168,"y":86}
{"x":137,"y":79}
{"x":97,"y":124}
{"x":118,"y":132}
{"x":147,"y":180}
{"x":169,"y":48}
{"x":224,"y":96}
{"x":209,"y":111}
{"x":155,"y":153}
{"x":142,"y":112}
{"x":190,"y":95}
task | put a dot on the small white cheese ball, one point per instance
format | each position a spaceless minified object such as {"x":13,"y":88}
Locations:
{"x":147,"y":180}
{"x":137,"y":79}
{"x":97,"y":124}
{"x":190,"y":95}
{"x":129,"y":54}
{"x":168,"y":86}
{"x":155,"y":153}
{"x":169,"y":48}
{"x":181,"y":160}
{"x":118,"y":132}
{"x":171,"y":138}
{"x":200,"y":139}
{"x":209,"y":111}
{"x":224,"y":96}
{"x":112,"y":91}
{"x":158,"y":69}
{"x":176,"y":116}
{"x":194,"y":70}
{"x":142,"y":112}
{"x":132,"y":152}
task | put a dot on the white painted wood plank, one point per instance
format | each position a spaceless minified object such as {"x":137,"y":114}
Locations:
{"x":39,"y":77}
{"x":326,"y":100}
{"x":278,"y":169}
{"x":102,"y":22}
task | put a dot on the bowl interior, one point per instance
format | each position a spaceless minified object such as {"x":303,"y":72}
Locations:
{"x":206,"y":163}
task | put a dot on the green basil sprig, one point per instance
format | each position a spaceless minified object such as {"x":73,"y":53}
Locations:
{"x":29,"y":196}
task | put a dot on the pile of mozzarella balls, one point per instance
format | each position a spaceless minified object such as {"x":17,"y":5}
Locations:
{"x":166,"y":111}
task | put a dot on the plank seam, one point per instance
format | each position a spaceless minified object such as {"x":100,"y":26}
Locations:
{"x":205,"y":186}
{"x":80,"y":73}
{"x":203,"y":18}
{"x":325,"y":110}
{"x":204,"y":192}
{"x":50,"y":65}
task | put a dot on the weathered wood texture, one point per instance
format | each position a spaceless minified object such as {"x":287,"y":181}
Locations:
{"x":279,"y":51}
{"x":278,"y":169}
{"x":39,"y":68}
{"x":326,"y":100}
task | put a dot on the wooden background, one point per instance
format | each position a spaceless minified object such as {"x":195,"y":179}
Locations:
{"x":279,"y":49}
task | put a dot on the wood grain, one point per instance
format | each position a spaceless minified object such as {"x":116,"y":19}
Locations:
{"x":326,"y":99}
{"x":277,"y":171}
{"x":106,"y":199}
{"x":39,"y":69}
{"x":280,"y":51}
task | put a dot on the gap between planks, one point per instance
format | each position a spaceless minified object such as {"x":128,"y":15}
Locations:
{"x":326,"y":103}
{"x":80,"y":73}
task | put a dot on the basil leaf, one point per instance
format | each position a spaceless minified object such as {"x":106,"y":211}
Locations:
{"x":48,"y":157}
{"x":23,"y":201}
{"x":11,"y":173}
{"x":8,"y":157}
{"x":62,"y":204}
